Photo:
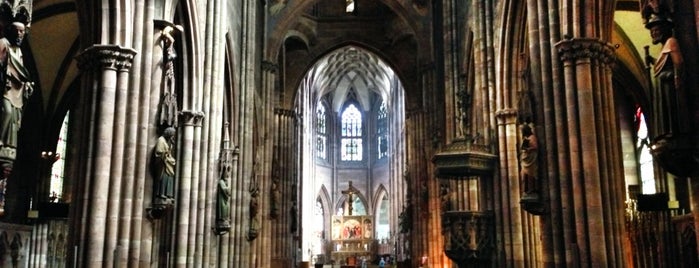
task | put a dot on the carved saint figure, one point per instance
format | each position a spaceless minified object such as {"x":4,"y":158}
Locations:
{"x":223,"y":203}
{"x":164,"y":167}
{"x":529,"y":161}
{"x":275,"y":197}
{"x":168,"y":113}
{"x":445,"y":197}
{"x":254,"y":204}
{"x":18,"y":86}
{"x":670,"y":113}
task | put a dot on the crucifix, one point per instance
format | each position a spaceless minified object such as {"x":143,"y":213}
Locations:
{"x":350,"y":193}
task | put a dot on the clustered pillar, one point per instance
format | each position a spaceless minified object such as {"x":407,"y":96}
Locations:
{"x":106,"y":68}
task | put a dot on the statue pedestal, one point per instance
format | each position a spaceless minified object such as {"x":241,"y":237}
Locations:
{"x":678,"y":154}
{"x":532,"y":203}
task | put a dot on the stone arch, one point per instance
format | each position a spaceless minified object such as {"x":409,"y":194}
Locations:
{"x":408,"y":82}
{"x":341,"y":201}
{"x":380,"y":192}
{"x":325,"y":200}
{"x":286,"y":19}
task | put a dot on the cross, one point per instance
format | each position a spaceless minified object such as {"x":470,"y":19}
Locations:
{"x":349,"y":192}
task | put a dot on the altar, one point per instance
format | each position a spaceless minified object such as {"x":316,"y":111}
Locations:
{"x":353,"y":239}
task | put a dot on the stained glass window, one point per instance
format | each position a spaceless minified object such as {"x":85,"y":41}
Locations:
{"x":321,"y":138}
{"x":351,"y":130}
{"x":57,"y":170}
{"x":382,"y":131}
{"x":645,"y":159}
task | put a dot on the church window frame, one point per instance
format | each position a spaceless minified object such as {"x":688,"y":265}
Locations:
{"x":351,"y":132}
{"x":321,"y":131}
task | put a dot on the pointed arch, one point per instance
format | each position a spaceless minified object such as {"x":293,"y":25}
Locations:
{"x":379,"y":194}
{"x":325,"y":200}
{"x":357,"y":197}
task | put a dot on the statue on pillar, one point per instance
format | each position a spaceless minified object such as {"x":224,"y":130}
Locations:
{"x":18,"y":87}
{"x":670,"y":112}
{"x":164,"y":169}
{"x":223,"y":190}
{"x":463,"y":102}
{"x":168,"y":106}
{"x":17,"y":81}
{"x":254,"y":209}
{"x":223,"y":208}
{"x":529,"y":162}
{"x":275,"y":198}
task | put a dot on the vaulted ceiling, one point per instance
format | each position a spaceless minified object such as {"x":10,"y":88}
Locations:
{"x":354,"y":68}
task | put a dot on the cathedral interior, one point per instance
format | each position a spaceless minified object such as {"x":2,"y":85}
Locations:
{"x":349,"y":133}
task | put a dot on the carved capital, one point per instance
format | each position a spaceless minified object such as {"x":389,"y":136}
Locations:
{"x":192,"y":118}
{"x":572,"y":49}
{"x":99,"y":57}
{"x":268,"y":66}
{"x":507,"y":115}
{"x":284,"y":112}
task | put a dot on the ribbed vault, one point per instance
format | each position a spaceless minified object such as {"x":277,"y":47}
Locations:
{"x":350,"y":67}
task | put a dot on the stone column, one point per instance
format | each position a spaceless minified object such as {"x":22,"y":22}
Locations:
{"x":184,"y":239}
{"x":282,"y":201}
{"x":107,"y":70}
{"x":594,"y":157}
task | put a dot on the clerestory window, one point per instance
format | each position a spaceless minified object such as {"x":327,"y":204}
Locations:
{"x":382,"y":131}
{"x":321,"y":132}
{"x":351,"y":133}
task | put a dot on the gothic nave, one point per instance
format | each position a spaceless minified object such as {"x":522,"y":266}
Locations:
{"x":349,"y":133}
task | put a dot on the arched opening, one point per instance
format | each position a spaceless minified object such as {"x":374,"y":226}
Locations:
{"x":353,"y":104}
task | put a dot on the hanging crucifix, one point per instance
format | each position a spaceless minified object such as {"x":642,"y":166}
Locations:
{"x":350,"y":194}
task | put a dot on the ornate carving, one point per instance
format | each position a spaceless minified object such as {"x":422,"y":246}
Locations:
{"x":469,"y":236}
{"x":192,"y":118}
{"x":223,"y":209}
{"x":464,"y":157}
{"x":284,"y":112}
{"x":663,"y":8}
{"x":268,"y":66}
{"x":16,"y":11}
{"x":572,"y":49}
{"x":463,"y":103}
{"x":99,"y":57}
{"x":168,"y":105}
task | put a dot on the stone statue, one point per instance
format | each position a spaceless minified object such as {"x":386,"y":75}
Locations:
{"x":223,"y":208}
{"x":164,"y":168}
{"x":445,"y":198}
{"x":463,"y":101}
{"x":18,"y":87}
{"x":656,"y":7}
{"x":275,"y":198}
{"x":168,"y":109}
{"x":670,"y":112}
{"x":254,"y":209}
{"x":529,"y":162}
